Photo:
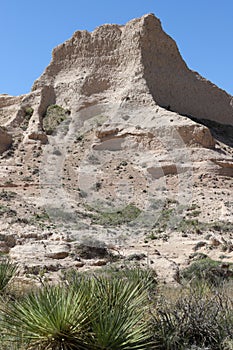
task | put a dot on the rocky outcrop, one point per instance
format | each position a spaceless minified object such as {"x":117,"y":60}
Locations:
{"x":196,"y":135}
{"x":114,"y":137}
{"x":173,"y":85}
{"x":9,"y":107}
{"x":5,"y":140}
{"x":136,"y":62}
{"x":119,"y":151}
{"x":133,"y":65}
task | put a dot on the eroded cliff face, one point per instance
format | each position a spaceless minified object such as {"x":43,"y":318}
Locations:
{"x":138,"y":62}
{"x":117,"y":120}
{"x":173,"y":85}
{"x":101,"y":66}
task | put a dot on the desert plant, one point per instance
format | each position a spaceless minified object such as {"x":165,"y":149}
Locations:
{"x":8,"y":270}
{"x":53,"y":117}
{"x":50,"y":318}
{"x":202,"y":318}
{"x":208,"y":270}
{"x":119,"y":321}
{"x":141,"y":277}
{"x":28,"y":112}
{"x":7,"y":195}
{"x":4,"y":210}
{"x":86,"y":313}
{"x":115,"y":218}
{"x":121,"y":315}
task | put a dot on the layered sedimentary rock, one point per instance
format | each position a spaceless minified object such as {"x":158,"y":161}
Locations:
{"x":129,"y":128}
{"x":136,"y":62}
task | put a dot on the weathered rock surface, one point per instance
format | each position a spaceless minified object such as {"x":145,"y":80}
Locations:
{"x":141,"y":163}
{"x":39,"y":250}
{"x":5,"y":140}
{"x":136,"y":62}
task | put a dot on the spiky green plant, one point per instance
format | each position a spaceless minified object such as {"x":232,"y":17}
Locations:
{"x":93,"y":313}
{"x":120,"y":320}
{"x":8,"y":270}
{"x":51,"y":318}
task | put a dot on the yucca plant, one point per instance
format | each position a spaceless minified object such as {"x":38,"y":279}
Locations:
{"x":8,"y":270}
{"x":53,"y":318}
{"x":120,"y":305}
{"x":93,"y":313}
{"x":120,"y":320}
{"x":7,"y":343}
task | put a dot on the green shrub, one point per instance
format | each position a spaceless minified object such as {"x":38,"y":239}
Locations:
{"x":28,"y":112}
{"x":115,"y":218}
{"x":208,"y":270}
{"x":53,"y":117}
{"x":201,"y":318}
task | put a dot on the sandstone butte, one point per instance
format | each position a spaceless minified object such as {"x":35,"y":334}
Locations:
{"x":140,"y":129}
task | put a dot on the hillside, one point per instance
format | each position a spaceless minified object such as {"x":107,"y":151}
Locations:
{"x":119,"y":151}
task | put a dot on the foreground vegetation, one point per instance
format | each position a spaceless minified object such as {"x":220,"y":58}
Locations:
{"x":117,"y":308}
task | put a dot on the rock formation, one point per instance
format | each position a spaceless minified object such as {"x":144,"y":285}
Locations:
{"x":5,"y":140}
{"x":136,"y":62}
{"x":117,"y":141}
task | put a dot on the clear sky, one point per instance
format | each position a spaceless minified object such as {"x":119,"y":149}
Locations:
{"x":203,"y":30}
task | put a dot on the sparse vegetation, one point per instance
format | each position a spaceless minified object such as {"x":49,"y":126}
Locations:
{"x":200,"y":318}
{"x":54,"y":116}
{"x":189,"y":224}
{"x":28,"y":112}
{"x":118,"y":307}
{"x":116,"y":218}
{"x":7,"y":195}
{"x":206,"y":269}
{"x":4,"y":210}
{"x":8,"y":271}
{"x":88,"y":260}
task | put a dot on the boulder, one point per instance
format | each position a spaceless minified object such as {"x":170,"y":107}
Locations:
{"x":5,"y":140}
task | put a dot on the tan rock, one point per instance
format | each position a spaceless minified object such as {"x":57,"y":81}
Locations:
{"x":140,"y":53}
{"x":5,"y":140}
{"x":38,"y":136}
{"x":215,"y":242}
{"x":99,"y":263}
{"x":197,"y":135}
{"x":131,"y":140}
{"x":40,"y":250}
{"x":59,"y":252}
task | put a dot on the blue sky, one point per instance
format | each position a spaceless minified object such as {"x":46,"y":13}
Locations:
{"x":203,"y":30}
